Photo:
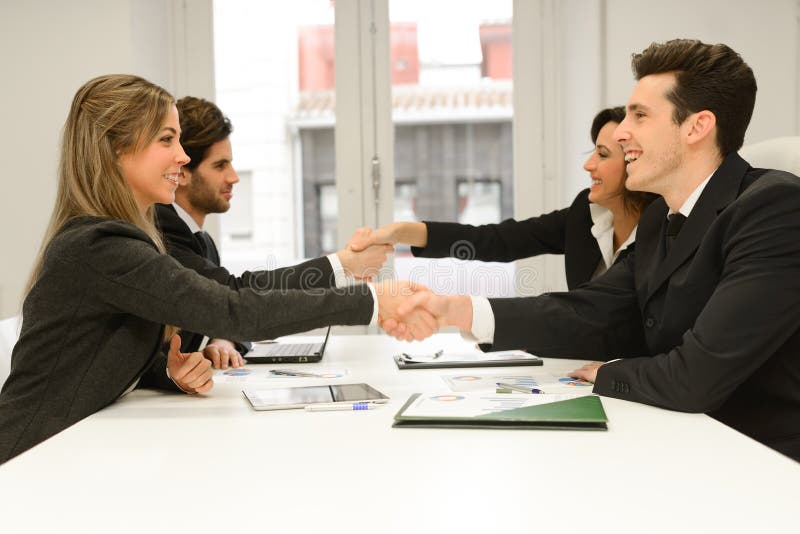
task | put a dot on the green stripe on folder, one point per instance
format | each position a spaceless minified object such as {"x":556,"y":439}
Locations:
{"x":581,"y":413}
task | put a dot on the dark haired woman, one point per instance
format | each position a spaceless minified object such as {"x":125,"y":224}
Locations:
{"x":594,"y":232}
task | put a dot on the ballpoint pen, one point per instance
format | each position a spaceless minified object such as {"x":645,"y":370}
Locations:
{"x":290,"y":372}
{"x":518,"y":388}
{"x":350,"y":407}
{"x":436,"y":354}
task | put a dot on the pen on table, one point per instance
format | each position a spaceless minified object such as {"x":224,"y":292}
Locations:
{"x":289,"y":372}
{"x":350,"y":407}
{"x":435,"y":355}
{"x":518,"y":388}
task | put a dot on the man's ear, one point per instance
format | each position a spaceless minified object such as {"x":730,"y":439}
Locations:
{"x":186,"y":178}
{"x":701,"y":125}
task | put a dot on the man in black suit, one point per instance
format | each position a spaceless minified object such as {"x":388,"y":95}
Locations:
{"x":206,"y":186}
{"x":700,"y":318}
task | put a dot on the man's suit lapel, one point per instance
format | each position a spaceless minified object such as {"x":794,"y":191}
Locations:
{"x":175,"y":230}
{"x":722,"y":189}
{"x":649,"y":247}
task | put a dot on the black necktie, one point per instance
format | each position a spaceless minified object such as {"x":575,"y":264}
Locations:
{"x":209,"y":249}
{"x":674,"y":224}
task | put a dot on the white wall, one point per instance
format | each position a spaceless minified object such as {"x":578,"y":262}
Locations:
{"x":256,"y":80}
{"x":585,"y":48}
{"x":765,"y":33}
{"x":605,"y":33}
{"x":48,"y":48}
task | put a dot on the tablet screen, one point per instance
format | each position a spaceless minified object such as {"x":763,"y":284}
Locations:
{"x":285,"y":398}
{"x":355,"y":392}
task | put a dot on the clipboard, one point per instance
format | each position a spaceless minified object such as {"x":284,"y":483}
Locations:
{"x":469,"y":359}
{"x":583,"y":412}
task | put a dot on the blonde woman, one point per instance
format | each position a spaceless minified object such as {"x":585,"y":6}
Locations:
{"x":103,"y":290}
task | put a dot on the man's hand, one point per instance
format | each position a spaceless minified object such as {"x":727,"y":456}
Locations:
{"x":416,"y":323}
{"x":189,"y":370}
{"x":363,"y":263}
{"x":366,"y":237}
{"x":222,"y":353}
{"x":587,"y":372}
{"x":453,"y":310}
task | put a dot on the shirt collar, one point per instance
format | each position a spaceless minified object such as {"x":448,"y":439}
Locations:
{"x":603,"y":232}
{"x":691,"y":200}
{"x":185,"y":217}
{"x":602,"y":218}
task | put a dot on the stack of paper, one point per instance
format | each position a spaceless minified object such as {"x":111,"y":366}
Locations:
{"x":465,"y":359}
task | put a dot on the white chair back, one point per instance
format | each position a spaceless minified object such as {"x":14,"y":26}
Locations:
{"x":782,"y":153}
{"x":9,"y":332}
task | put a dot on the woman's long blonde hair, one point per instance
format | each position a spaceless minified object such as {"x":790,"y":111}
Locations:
{"x":110,"y":115}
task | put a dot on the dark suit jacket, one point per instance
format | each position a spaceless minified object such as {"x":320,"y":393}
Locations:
{"x":92,"y":324}
{"x":188,"y":249}
{"x":566,"y":231}
{"x":712,"y":327}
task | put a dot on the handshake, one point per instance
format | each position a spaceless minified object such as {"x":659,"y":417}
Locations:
{"x":409,"y":311}
{"x":406,"y":310}
{"x":366,"y":251}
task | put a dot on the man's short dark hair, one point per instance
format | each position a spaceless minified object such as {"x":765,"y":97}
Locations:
{"x":202,"y":125}
{"x":707,"y":77}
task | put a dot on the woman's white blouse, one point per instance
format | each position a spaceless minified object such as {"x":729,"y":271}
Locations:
{"x":603,"y":232}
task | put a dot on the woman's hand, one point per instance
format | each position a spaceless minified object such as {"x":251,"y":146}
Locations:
{"x":222,"y":353}
{"x":189,"y":370}
{"x":410,"y":233}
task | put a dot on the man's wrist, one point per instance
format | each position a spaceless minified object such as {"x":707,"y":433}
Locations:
{"x":340,"y":273}
{"x":375,"y":305}
{"x":482,"y":320}
{"x":459,"y":312}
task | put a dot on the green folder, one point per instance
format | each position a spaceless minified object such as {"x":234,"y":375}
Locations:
{"x":581,"y":413}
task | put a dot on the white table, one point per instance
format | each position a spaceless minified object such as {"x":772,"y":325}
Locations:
{"x":157,"y":462}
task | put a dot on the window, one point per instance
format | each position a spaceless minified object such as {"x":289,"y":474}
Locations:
{"x":452,"y":112}
{"x":274,"y":77}
{"x":238,"y":222}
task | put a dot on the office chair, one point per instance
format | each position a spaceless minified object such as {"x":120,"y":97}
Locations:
{"x":782,"y":153}
{"x":9,"y":332}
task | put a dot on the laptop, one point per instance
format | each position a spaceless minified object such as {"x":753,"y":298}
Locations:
{"x":274,"y":352}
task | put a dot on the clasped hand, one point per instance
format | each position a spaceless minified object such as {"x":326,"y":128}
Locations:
{"x":190,"y":371}
{"x":364,"y":260}
{"x":410,"y":311}
{"x":397,"y":313}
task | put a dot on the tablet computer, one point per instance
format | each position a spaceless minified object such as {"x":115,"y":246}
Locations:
{"x":300,"y":397}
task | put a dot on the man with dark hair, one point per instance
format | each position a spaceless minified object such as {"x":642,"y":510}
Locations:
{"x":703,"y":316}
{"x":711,"y":77}
{"x":206,"y":186}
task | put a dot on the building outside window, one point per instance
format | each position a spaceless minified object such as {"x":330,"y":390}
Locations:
{"x":451,"y":109}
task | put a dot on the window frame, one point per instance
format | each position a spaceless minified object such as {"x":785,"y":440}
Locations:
{"x":364,"y":125}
